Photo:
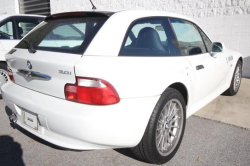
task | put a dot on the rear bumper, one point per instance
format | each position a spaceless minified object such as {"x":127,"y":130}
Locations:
{"x":79,"y":126}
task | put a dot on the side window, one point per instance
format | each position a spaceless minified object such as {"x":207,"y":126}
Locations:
{"x":189,"y":38}
{"x":206,"y":40}
{"x":26,"y":24}
{"x":7,"y":30}
{"x":150,"y":37}
{"x":136,"y":29}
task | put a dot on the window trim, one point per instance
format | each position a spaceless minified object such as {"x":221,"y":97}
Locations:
{"x":15,"y":24}
{"x":5,"y":20}
{"x":200,"y":30}
{"x":130,"y":27}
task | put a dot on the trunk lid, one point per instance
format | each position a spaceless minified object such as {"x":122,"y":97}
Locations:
{"x":44,"y":60}
{"x":49,"y":73}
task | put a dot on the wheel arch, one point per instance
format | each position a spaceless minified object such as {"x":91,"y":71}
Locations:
{"x":3,"y":64}
{"x":182,"y":89}
{"x":1,"y":61}
{"x":241,"y":59}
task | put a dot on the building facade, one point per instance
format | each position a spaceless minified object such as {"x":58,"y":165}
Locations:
{"x":227,"y":21}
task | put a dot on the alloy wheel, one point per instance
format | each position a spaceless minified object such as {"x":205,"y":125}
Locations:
{"x":169,"y":127}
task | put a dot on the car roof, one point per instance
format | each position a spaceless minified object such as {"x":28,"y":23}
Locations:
{"x":135,"y":14}
{"x":117,"y":26}
{"x":4,"y":16}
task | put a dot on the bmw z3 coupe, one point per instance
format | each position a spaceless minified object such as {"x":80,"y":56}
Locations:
{"x":127,"y":79}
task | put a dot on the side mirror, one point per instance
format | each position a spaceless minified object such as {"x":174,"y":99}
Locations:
{"x":195,"y":51}
{"x":217,"y":47}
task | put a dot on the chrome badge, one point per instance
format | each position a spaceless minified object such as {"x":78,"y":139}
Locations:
{"x":29,"y":65}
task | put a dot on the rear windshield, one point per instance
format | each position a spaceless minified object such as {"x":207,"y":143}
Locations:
{"x":69,"y":35}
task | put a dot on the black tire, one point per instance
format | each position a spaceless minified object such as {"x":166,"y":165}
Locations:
{"x":231,"y":91}
{"x":147,"y":150}
{"x":3,"y":66}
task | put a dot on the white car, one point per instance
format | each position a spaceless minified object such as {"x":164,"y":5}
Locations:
{"x":12,"y":29}
{"x":128,"y":79}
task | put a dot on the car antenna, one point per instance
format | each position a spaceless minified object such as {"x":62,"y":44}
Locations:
{"x":93,"y":5}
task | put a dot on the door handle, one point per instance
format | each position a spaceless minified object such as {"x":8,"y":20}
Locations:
{"x":199,"y":67}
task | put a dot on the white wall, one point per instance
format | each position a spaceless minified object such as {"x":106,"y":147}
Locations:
{"x":193,"y":8}
{"x":234,"y":31}
{"x":7,"y":7}
{"x":227,"y":21}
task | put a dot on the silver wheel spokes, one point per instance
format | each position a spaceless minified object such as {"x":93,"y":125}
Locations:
{"x":237,"y":78}
{"x":169,"y":127}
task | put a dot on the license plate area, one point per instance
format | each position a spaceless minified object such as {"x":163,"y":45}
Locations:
{"x":30,"y":119}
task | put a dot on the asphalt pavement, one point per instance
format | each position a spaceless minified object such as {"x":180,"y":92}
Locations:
{"x":205,"y":142}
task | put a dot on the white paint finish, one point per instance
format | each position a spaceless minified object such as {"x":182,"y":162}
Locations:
{"x":1,"y":48}
{"x":208,"y":73}
{"x":5,"y":46}
{"x":46,"y":63}
{"x":135,"y":77}
{"x":8,"y":44}
{"x":139,"y":82}
{"x":80,"y":126}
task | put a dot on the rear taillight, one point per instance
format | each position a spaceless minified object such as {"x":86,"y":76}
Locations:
{"x":91,"y":91}
{"x":10,"y":73}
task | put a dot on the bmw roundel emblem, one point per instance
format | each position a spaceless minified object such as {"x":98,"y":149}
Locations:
{"x":29,"y":65}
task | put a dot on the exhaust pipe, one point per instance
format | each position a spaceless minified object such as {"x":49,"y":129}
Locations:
{"x":13,"y":119}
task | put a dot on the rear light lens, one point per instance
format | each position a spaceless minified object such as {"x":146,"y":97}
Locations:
{"x":68,"y":14}
{"x":91,"y":91}
{"x":10,"y":73}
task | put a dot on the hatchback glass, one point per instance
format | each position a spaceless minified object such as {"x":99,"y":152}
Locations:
{"x":69,"y":35}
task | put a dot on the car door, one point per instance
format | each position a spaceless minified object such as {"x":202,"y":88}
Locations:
{"x":223,"y":60}
{"x":8,"y":37}
{"x":209,"y":71}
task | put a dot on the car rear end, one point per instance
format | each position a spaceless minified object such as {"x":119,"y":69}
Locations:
{"x":51,"y":101}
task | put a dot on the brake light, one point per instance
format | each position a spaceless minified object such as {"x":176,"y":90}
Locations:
{"x":91,"y":91}
{"x":10,"y":73}
{"x":68,"y":14}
